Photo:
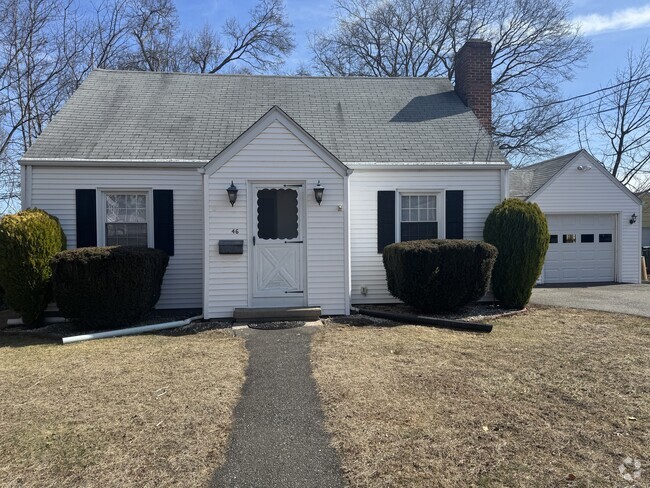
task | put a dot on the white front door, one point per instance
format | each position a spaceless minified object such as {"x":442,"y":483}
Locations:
{"x":582,"y":248}
{"x":278,"y":267}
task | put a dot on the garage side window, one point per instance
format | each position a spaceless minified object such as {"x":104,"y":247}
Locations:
{"x":418,"y":217}
{"x":126,"y":219}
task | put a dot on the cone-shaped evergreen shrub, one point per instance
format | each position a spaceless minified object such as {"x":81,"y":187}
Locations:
{"x":519,"y":231}
{"x":108,"y":286}
{"x":438,"y":275}
{"x":28,"y":240}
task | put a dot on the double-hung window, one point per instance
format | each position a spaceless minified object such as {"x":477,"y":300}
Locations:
{"x":418,"y":216}
{"x":126,"y":218}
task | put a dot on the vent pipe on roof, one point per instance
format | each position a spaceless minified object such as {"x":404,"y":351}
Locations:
{"x":473,"y":67}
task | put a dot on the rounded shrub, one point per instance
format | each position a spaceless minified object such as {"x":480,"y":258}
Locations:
{"x":438,"y":275}
{"x":28,"y":240}
{"x":108,"y":286}
{"x":519,"y":231}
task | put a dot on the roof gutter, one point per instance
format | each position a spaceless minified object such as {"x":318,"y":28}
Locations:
{"x":420,"y":166}
{"x":127,"y":163}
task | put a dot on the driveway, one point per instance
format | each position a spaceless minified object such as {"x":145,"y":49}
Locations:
{"x":621,"y":298}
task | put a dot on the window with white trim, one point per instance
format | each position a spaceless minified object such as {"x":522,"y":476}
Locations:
{"x":126,"y":218}
{"x":418,"y":216}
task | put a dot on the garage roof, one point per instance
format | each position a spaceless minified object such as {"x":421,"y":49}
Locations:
{"x":525,"y":181}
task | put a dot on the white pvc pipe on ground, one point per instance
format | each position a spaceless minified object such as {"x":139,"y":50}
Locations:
{"x":46,"y":320}
{"x":131,"y":330}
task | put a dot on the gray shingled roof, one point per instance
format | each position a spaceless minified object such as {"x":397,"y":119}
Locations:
{"x":527,"y":180}
{"x":129,"y":115}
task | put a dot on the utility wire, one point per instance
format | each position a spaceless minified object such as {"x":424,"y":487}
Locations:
{"x":557,"y":102}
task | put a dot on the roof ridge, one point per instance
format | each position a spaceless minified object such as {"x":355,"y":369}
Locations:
{"x":298,"y":77}
{"x":570,"y":157}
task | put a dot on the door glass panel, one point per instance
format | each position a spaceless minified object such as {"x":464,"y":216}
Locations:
{"x":553,"y":239}
{"x":604,"y":238}
{"x":277,"y":213}
{"x":569,"y":238}
{"x":586,"y":238}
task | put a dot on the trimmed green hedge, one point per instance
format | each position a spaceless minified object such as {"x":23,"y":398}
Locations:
{"x":28,"y":240}
{"x":520,"y":232}
{"x":438,"y":275}
{"x":108,"y":286}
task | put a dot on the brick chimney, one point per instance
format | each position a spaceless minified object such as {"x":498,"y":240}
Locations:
{"x":473,"y":66}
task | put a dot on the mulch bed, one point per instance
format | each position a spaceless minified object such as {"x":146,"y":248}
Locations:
{"x":197,"y":327}
{"x":474,"y":312}
{"x":55,"y":332}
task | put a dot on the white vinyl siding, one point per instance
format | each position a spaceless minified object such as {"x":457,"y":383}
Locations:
{"x":592,"y":192}
{"x":53,"y":190}
{"x":482,"y":192}
{"x":275,"y":155}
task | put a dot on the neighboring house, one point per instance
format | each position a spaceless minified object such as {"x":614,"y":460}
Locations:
{"x":147,"y":158}
{"x":645,"y":223}
{"x":593,"y":219}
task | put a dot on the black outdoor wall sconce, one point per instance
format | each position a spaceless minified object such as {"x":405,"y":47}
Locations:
{"x":318,"y":192}
{"x":232,"y":193}
{"x":633,"y":218}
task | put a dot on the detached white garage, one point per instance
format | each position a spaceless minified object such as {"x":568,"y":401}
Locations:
{"x":594,"y":220}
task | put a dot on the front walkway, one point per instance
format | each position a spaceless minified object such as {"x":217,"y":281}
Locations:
{"x":278,"y":438}
{"x":621,"y":298}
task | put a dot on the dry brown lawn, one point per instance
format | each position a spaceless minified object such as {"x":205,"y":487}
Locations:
{"x":552,"y":397}
{"x":146,"y":411}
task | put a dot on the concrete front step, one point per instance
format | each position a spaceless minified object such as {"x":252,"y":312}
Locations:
{"x":306,"y":314}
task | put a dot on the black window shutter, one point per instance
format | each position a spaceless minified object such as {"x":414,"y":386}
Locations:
{"x":86,"y":208}
{"x":163,"y":220}
{"x":454,"y":214}
{"x":385,"y":219}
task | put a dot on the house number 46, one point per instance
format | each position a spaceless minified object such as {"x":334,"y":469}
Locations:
{"x":235,"y":231}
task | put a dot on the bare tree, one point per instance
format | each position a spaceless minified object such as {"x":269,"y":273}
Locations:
{"x":260,"y":44}
{"x":38,"y":43}
{"x":617,"y":130}
{"x":48,"y":47}
{"x":108,"y":32}
{"x":534,"y":48}
{"x":154,"y":28}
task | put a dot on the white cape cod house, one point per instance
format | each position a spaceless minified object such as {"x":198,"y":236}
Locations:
{"x":327,"y":171}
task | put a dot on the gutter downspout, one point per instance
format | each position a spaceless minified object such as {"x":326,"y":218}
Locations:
{"x":347,"y":281}
{"x":25,"y":186}
{"x":46,"y":320}
{"x":131,"y":330}
{"x":206,"y":240}
{"x":505,"y":183}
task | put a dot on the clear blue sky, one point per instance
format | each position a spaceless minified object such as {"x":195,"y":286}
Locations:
{"x":612,"y":27}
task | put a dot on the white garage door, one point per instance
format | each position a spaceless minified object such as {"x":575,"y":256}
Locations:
{"x":581,"y":249}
